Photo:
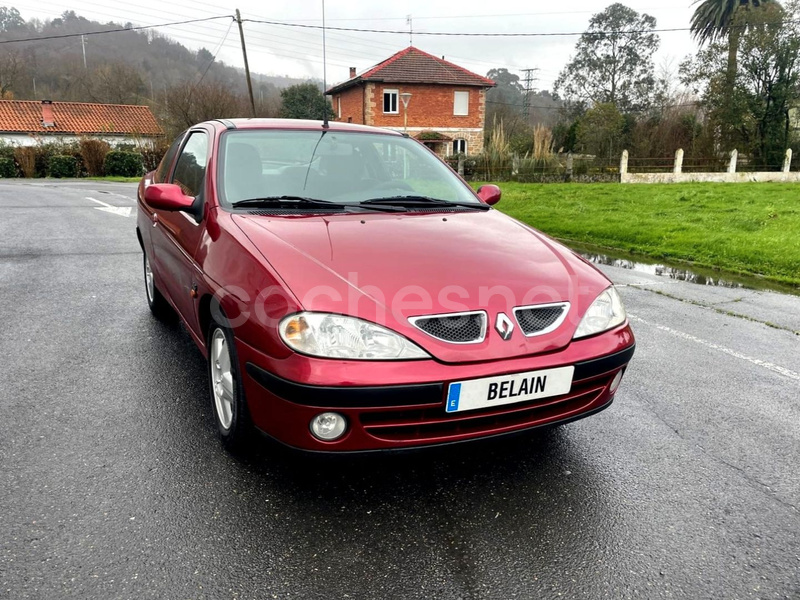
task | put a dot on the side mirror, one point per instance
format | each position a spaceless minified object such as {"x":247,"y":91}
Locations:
{"x":490,"y":194}
{"x":167,"y":196}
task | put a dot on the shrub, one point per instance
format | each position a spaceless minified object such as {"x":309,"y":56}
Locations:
{"x":60,"y":165}
{"x":94,"y":154}
{"x":7,"y":167}
{"x":152,"y":155}
{"x":26,"y":159}
{"x":124,"y":164}
{"x":6,"y":150}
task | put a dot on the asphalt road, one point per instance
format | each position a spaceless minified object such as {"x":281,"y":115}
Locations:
{"x":113,"y":485}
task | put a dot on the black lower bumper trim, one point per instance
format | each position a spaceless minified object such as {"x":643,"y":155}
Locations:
{"x":598,"y":366}
{"x":397,"y":395}
{"x":346,"y":397}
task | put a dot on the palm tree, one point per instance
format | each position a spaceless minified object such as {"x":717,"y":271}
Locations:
{"x":714,"y":20}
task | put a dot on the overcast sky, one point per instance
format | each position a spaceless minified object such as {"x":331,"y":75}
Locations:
{"x":281,"y":50}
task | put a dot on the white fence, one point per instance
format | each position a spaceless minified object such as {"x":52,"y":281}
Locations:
{"x":730,"y":176}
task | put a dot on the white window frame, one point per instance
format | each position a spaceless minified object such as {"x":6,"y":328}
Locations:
{"x":396,"y":94}
{"x":460,"y":94}
{"x":339,"y":106}
{"x":459,"y":142}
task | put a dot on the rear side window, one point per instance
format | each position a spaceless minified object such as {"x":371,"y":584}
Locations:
{"x":190,"y":172}
{"x":163,"y":167}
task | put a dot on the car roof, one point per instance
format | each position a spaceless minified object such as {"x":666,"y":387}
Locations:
{"x":300,"y":124}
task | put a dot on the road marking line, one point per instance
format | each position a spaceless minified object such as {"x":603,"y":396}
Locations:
{"x":756,"y":361}
{"x":114,"y":210}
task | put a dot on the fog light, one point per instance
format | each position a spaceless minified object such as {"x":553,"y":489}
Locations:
{"x":328,"y":426}
{"x":615,"y":381}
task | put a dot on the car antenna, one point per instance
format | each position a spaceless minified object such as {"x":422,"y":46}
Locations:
{"x":324,"y":73}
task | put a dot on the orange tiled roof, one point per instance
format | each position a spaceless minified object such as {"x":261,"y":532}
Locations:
{"x":25,"y":116}
{"x":412,"y":65}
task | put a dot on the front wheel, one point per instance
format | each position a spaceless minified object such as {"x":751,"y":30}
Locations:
{"x":227,"y":390}
{"x":157,"y":303}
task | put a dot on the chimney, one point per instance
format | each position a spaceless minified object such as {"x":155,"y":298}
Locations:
{"x":47,"y":114}
{"x":352,"y":72}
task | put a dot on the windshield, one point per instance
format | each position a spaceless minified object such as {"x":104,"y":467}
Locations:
{"x":339,"y":167}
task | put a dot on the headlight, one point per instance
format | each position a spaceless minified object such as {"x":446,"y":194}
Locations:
{"x":605,"y":312}
{"x":337,"y":336}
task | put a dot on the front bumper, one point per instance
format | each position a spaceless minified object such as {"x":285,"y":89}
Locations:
{"x":410,"y":410}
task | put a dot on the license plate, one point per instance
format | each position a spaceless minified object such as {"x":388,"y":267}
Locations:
{"x":507,"y":389}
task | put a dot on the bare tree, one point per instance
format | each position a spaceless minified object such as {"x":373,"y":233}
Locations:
{"x":186,"y":104}
{"x":116,"y":83}
{"x":10,"y":67}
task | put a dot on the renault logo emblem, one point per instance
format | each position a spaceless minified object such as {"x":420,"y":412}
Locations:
{"x":504,"y":326}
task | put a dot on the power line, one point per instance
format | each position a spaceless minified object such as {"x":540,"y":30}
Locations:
{"x":492,"y":34}
{"x":214,"y":56}
{"x":482,"y":16}
{"x":118,"y":30}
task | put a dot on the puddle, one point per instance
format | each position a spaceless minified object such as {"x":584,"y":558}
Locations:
{"x":694,"y":275}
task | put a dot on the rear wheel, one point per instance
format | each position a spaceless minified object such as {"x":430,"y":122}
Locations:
{"x":157,"y":303}
{"x":227,"y":390}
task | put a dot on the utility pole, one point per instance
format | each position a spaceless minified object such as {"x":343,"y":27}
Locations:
{"x":246,"y":66}
{"x":526,"y":99}
{"x":83,"y":47}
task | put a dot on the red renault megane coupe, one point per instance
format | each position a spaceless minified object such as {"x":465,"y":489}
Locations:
{"x":351,"y":292}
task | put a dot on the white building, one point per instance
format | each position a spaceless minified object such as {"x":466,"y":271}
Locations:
{"x":30,"y":122}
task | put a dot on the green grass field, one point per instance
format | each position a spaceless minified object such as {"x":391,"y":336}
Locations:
{"x":750,"y":228}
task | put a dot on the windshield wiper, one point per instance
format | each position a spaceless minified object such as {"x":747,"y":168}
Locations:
{"x":273,"y":200}
{"x":412,"y":201}
{"x":270,"y":201}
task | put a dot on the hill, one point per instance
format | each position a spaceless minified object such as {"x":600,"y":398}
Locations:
{"x":129,"y":67}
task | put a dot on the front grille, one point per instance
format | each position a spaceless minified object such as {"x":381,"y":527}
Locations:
{"x":432,"y":424}
{"x":538,"y":320}
{"x":456,"y":328}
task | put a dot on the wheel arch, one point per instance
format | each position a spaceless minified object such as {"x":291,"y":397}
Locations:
{"x":204,"y":315}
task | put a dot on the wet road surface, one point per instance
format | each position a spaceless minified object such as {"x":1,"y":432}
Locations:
{"x":113,"y":484}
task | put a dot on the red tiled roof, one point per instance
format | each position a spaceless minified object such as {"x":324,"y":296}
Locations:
{"x":25,"y":116}
{"x":412,"y":65}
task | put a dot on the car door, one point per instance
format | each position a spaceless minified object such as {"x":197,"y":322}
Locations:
{"x":178,"y":234}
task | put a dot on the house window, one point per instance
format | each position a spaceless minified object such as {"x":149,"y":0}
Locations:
{"x":459,"y":146}
{"x":339,"y":104}
{"x":390,"y":101}
{"x":461,"y":103}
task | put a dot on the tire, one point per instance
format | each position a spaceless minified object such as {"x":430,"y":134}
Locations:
{"x":226,"y":389}
{"x":155,"y":301}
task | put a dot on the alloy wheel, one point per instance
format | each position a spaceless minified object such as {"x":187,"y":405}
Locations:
{"x":222,"y":378}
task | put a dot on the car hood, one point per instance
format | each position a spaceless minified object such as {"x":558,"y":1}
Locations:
{"x":387,"y":267}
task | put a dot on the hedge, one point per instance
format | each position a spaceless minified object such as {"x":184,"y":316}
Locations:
{"x":8,"y":168}
{"x":124,"y":164}
{"x":62,"y":166}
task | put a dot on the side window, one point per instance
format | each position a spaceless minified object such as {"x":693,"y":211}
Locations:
{"x":460,"y":103}
{"x":160,"y":175}
{"x":190,"y":171}
{"x":390,"y":101}
{"x":459,"y":146}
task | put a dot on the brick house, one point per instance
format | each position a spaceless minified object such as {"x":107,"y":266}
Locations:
{"x":446,"y":110}
{"x":28,"y":122}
